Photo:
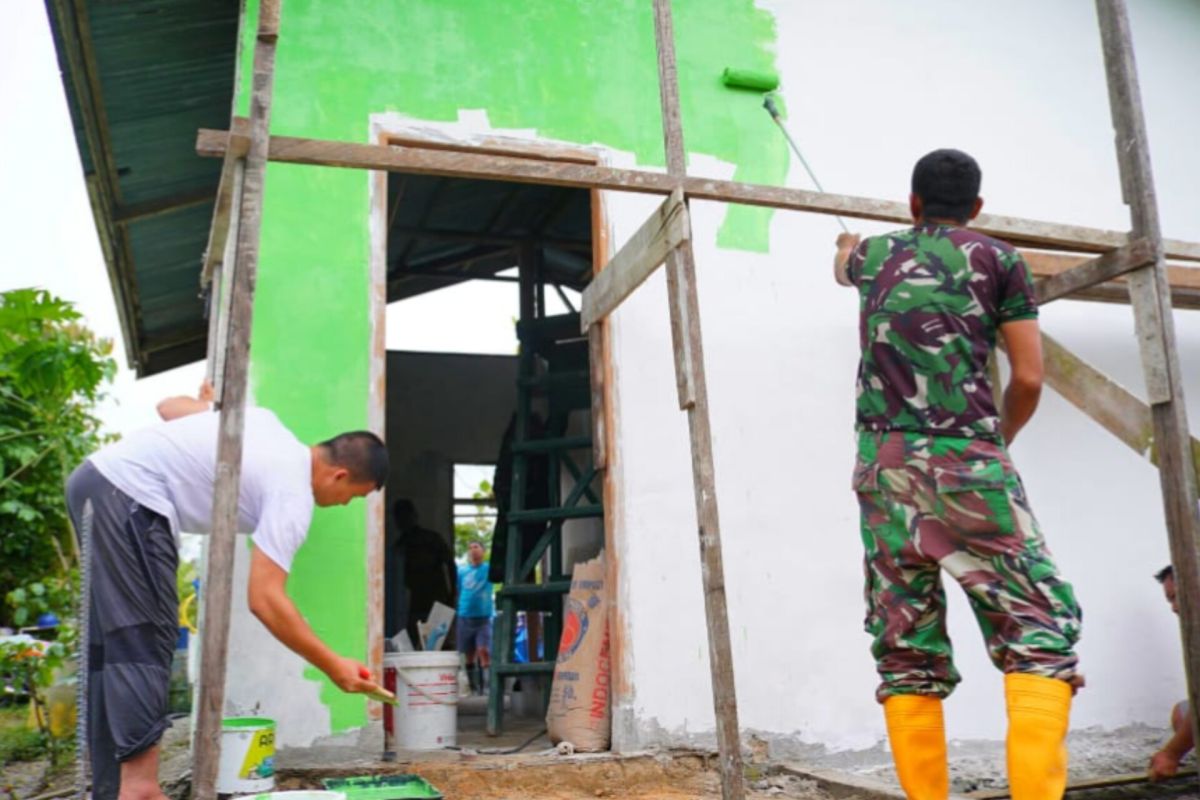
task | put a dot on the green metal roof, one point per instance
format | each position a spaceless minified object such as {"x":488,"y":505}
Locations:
{"x":141,"y":77}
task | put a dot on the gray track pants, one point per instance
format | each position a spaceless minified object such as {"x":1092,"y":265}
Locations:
{"x":133,"y":623}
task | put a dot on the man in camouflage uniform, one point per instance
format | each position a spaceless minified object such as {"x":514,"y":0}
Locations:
{"x":937,"y":490}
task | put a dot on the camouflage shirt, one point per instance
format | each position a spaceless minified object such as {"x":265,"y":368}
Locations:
{"x":930,"y":301}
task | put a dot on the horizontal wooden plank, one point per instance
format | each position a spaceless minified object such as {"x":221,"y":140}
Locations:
{"x":664,"y":230}
{"x":1106,"y":782}
{"x":1118,"y":293}
{"x":422,"y":161}
{"x":1112,"y":264}
{"x":1184,"y":280}
{"x":1046,"y":265}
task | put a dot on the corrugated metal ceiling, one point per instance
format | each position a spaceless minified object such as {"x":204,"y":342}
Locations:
{"x":141,"y":77}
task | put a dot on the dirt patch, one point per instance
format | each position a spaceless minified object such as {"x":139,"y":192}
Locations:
{"x":662,"y":777}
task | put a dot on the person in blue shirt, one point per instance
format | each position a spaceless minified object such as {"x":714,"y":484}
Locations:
{"x":475,"y":610}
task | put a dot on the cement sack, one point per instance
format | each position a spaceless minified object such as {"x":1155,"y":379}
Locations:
{"x":579,"y":697}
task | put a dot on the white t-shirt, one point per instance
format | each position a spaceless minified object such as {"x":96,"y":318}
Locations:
{"x":170,"y":469}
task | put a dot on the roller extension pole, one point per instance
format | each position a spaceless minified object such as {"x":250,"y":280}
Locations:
{"x":769,"y":105}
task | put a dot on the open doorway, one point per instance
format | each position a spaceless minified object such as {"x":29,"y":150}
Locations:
{"x":516,"y":422}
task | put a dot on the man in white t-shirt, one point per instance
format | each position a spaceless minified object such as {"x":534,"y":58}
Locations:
{"x":130,"y":500}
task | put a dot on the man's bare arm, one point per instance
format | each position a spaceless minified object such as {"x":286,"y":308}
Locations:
{"x":846,"y":242}
{"x":269,"y":602}
{"x":182,"y":406}
{"x":1023,"y":343}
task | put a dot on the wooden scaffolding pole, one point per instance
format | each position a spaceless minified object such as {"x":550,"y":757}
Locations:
{"x":218,"y":576}
{"x":693,"y":396}
{"x":1151,"y":299}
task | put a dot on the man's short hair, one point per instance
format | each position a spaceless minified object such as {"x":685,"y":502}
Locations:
{"x":947,"y":181}
{"x":1163,"y":574}
{"x":361,"y":453}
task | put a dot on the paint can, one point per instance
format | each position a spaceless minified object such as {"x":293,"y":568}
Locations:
{"x":426,"y":686}
{"x":247,"y":756}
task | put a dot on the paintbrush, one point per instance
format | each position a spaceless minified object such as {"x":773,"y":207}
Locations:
{"x":379,"y":694}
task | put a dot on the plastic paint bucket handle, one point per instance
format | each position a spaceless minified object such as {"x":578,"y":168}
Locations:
{"x":408,"y":678}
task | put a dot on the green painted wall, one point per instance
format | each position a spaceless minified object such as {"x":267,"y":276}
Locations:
{"x":575,"y":70}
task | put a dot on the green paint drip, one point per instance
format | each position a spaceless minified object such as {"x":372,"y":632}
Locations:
{"x":580,"y":72}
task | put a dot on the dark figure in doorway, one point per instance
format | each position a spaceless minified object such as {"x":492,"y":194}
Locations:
{"x":537,"y":495}
{"x":430,"y":573}
{"x":1165,"y":763}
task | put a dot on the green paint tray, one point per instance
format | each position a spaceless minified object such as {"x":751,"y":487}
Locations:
{"x":383,"y":787}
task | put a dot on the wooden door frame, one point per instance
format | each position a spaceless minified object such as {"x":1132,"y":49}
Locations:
{"x":393,"y":130}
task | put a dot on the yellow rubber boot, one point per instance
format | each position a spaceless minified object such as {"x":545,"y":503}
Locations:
{"x":1038,"y":713}
{"x":917,"y":734}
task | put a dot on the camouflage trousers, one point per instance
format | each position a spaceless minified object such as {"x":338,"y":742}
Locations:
{"x":933,"y":503}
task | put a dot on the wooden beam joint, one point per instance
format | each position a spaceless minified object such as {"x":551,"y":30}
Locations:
{"x":1135,"y":255}
{"x":662,"y":232}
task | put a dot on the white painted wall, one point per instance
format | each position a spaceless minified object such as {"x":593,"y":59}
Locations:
{"x":871,"y":86}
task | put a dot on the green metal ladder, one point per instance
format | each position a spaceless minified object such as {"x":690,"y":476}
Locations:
{"x":554,"y":368}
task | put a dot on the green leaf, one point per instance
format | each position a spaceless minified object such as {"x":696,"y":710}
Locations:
{"x":38,"y":589}
{"x":53,"y":371}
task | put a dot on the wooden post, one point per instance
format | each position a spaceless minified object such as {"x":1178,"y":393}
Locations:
{"x":1151,"y":299}
{"x":218,"y":576}
{"x":693,"y":396}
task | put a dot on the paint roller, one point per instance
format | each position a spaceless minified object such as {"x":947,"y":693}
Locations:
{"x":750,"y":79}
{"x":767,"y":82}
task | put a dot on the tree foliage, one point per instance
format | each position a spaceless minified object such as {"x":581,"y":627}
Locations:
{"x":478,"y":527}
{"x":53,"y":372}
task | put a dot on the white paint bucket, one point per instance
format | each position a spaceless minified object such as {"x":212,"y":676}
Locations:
{"x":426,"y":686}
{"x":247,"y":755}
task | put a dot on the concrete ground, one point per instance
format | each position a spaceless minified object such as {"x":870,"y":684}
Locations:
{"x":979,"y":767}
{"x":481,"y":768}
